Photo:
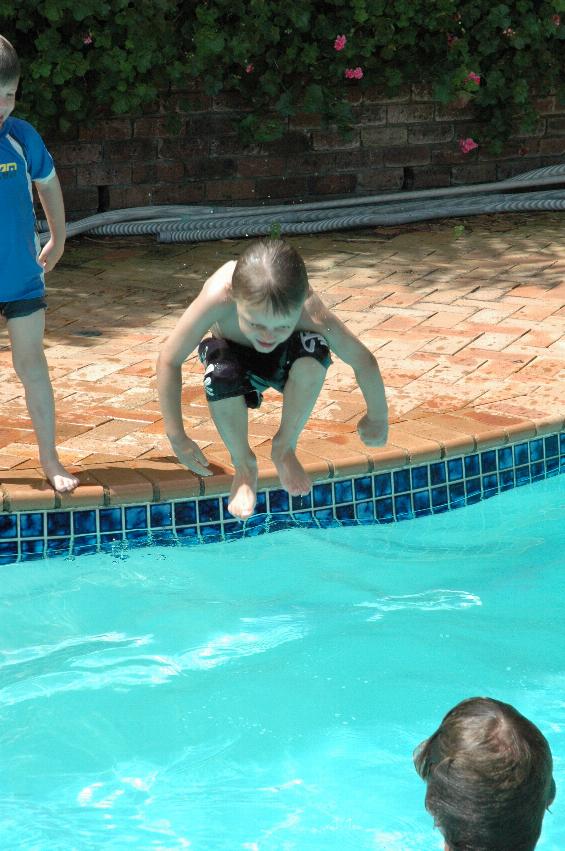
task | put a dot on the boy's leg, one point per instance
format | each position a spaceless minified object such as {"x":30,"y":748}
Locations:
{"x":231,"y":419}
{"x":26,"y":337}
{"x":305,"y":380}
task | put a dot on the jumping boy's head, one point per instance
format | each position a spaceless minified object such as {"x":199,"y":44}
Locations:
{"x":489,"y":777}
{"x":9,"y":78}
{"x":269,"y":286}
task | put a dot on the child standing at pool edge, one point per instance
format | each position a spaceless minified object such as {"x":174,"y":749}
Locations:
{"x":23,"y":159}
{"x":268,"y":329}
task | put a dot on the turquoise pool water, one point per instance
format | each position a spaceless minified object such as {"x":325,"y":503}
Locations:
{"x":267,"y":694}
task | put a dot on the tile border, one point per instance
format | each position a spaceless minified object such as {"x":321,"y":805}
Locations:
{"x":385,"y":494}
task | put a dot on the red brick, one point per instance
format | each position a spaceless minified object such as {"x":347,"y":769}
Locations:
{"x":227,"y":190}
{"x":410,"y":113}
{"x":103,"y":175}
{"x":112,"y":128}
{"x":76,"y":154}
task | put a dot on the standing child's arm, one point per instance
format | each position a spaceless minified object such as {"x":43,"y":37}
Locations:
{"x":51,"y":198}
{"x":206,"y":309}
{"x":373,"y":426}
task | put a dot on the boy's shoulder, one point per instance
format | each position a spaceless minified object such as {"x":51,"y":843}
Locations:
{"x":19,"y":127}
{"x":218,"y":286}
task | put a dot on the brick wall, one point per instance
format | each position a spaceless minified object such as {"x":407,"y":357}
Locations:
{"x":408,"y":142}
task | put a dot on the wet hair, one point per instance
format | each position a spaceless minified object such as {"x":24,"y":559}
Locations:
{"x":489,"y":778}
{"x":271,"y":272}
{"x":9,"y":62}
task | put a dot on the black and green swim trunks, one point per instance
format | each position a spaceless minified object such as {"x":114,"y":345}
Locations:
{"x":236,"y":370}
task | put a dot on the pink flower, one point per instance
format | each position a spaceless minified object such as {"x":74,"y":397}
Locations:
{"x":87,"y":39}
{"x":354,"y":73}
{"x":340,"y":42}
{"x":466,"y":145}
{"x":451,"y":39}
{"x":249,"y":69}
{"x":473,"y":78}
{"x":509,"y":32}
{"x":556,"y":20}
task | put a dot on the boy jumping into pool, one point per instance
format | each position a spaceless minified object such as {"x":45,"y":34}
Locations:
{"x":23,"y":159}
{"x":268,"y":329}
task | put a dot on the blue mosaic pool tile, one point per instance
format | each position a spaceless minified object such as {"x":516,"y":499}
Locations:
{"x":300,"y":502}
{"x":251,"y":530}
{"x":536,"y":449}
{"x":488,"y":461}
{"x":345,"y":512}
{"x":440,"y":498}
{"x":522,"y":475}
{"x":188,"y":534}
{"x":209,"y":510}
{"x":233,"y":529}
{"x":401,"y":480}
{"x":135,"y":517}
{"x":384,"y":510}
{"x":562,"y":443}
{"x":457,"y":494}
{"x":31,"y":525}
{"x":343,"y":491}
{"x":506,"y":479}
{"x":551,"y":445}
{"x":490,"y":485}
{"x":472,"y":467}
{"x":537,"y":470}
{"x":137,"y":536}
{"x":521,"y":454}
{"x":58,"y":546}
{"x":256,"y":520}
{"x":261,"y":504}
{"x":185,"y":513}
{"x":473,"y":487}
{"x":281,"y":521}
{"x":454,"y":469}
{"x":322,"y":495}
{"x":403,"y":507}
{"x":8,"y":551}
{"x":363,"y":487}
{"x":552,"y":466}
{"x":505,"y":458}
{"x":211,"y":532}
{"x":58,"y":524}
{"x":160,"y":515}
{"x":303,"y":518}
{"x":8,"y":526}
{"x":110,"y":519}
{"x":84,"y":522}
{"x":85,"y":545}
{"x":422,"y":504}
{"x":383,"y":484}
{"x":438,"y":475}
{"x":110,"y":540}
{"x":31,"y":550}
{"x":278,"y":501}
{"x":325,"y":517}
{"x":163,"y":537}
{"x":365,"y":511}
{"x":420,"y":477}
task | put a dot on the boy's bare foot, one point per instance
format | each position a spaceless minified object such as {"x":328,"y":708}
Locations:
{"x":243,"y":493}
{"x":61,"y":480}
{"x":294,"y":478}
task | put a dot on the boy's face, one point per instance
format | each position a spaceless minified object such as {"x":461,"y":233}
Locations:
{"x":264,"y":329}
{"x":7,"y":99}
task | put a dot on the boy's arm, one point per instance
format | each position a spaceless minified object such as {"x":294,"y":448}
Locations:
{"x":373,"y":426}
{"x":51,"y":198}
{"x":207,"y":308}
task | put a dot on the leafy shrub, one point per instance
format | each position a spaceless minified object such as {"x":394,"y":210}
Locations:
{"x":86,"y":57}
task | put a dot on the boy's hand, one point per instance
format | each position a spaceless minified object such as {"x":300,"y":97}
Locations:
{"x":373,"y":432}
{"x":50,"y":255}
{"x":189,"y":453}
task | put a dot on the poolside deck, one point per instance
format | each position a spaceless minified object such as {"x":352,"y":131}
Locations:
{"x":469,"y":331}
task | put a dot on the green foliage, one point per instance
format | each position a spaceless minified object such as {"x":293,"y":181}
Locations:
{"x":81,"y":58}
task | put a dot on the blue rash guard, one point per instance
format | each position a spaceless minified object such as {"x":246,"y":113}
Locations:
{"x":23,"y":159}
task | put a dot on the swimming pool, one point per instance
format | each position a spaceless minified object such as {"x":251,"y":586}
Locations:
{"x":268,"y":693}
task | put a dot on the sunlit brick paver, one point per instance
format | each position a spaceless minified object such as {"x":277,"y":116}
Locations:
{"x":469,"y":331}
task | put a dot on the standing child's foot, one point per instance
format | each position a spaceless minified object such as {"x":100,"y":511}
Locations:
{"x":294,"y":478}
{"x":61,"y":480}
{"x":243,"y":493}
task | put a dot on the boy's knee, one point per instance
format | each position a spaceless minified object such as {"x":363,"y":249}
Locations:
{"x":31,"y":364}
{"x":307,"y":369}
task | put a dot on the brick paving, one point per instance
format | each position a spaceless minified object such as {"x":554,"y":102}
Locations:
{"x":469,"y":331}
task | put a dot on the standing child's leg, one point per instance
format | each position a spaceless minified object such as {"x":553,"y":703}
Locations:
{"x":305,"y":380}
{"x":231,"y":419}
{"x":26,"y":337}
